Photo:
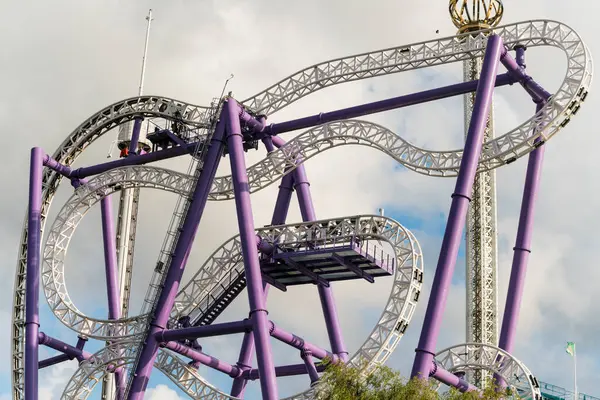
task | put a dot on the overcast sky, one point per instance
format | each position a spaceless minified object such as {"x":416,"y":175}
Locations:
{"x":63,"y":61}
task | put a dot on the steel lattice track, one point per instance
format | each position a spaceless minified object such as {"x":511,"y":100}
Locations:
{"x":559,"y":110}
{"x":226,"y":259}
{"x":477,"y":356}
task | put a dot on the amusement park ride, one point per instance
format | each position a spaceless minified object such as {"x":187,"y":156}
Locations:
{"x":166,"y":334}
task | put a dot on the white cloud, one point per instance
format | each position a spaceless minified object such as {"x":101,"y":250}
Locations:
{"x":161,"y":392}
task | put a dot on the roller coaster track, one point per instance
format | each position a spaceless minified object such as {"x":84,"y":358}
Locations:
{"x":504,"y":149}
{"x":227,"y":259}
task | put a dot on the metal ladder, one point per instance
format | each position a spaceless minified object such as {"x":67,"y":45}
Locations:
{"x":173,"y":232}
{"x":219,"y":298}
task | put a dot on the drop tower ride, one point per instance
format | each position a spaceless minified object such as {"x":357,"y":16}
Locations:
{"x":481,"y":233}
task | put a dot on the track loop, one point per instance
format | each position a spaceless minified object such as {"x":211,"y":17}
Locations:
{"x":471,"y":356}
{"x":63,"y":228}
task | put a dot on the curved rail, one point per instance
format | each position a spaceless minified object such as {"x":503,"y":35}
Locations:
{"x":376,"y":349}
{"x":69,"y":217}
{"x":70,"y":149}
{"x":468,"y":356}
{"x":398,"y":310}
{"x":90,"y":372}
{"x":425,"y":54}
{"x":533,"y":33}
{"x":63,"y":228}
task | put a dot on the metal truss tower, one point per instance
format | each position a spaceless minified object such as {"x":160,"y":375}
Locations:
{"x":481,"y":231}
{"x":130,"y":140}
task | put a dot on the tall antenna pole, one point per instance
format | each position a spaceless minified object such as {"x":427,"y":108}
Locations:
{"x":129,"y":140}
{"x":149,"y":19}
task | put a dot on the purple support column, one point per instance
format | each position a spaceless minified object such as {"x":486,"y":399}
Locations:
{"x":458,"y":211}
{"x":32,"y":283}
{"x":135,"y":135}
{"x":522,"y":249}
{"x":254,"y":283}
{"x":244,"y":363}
{"x":284,"y":196}
{"x":282,"y":205}
{"x":520,"y":56}
{"x":311,"y":369}
{"x":334,"y":331}
{"x":268,"y":143}
{"x":177,"y":265}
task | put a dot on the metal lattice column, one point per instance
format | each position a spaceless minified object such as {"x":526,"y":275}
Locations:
{"x":481,"y":244}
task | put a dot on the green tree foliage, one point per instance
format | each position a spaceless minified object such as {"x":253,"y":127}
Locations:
{"x":342,"y":382}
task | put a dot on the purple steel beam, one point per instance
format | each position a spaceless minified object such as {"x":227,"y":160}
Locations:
{"x":122,"y":162}
{"x":54,"y":360}
{"x":450,"y":379}
{"x":61,"y":357}
{"x":311,"y":368}
{"x":300,"y":344}
{"x":204,"y":359}
{"x":56,"y":166}
{"x":264,"y":246}
{"x":522,"y":248}
{"x":537,"y":93}
{"x":284,"y":370}
{"x":267,"y":139}
{"x":520,"y":55}
{"x":81,"y":342}
{"x":282,"y":206}
{"x":196,"y":332}
{"x":273,"y":129}
{"x":177,"y":265}
{"x":174,"y":138}
{"x":63,"y":347}
{"x":254,"y":282}
{"x":307,"y":210}
{"x":284,"y":196}
{"x":135,"y":135}
{"x":371,"y":108}
{"x":139,"y":160}
{"x":334,"y":331}
{"x":244,"y":363}
{"x":458,"y":212}
{"x":32,"y":282}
